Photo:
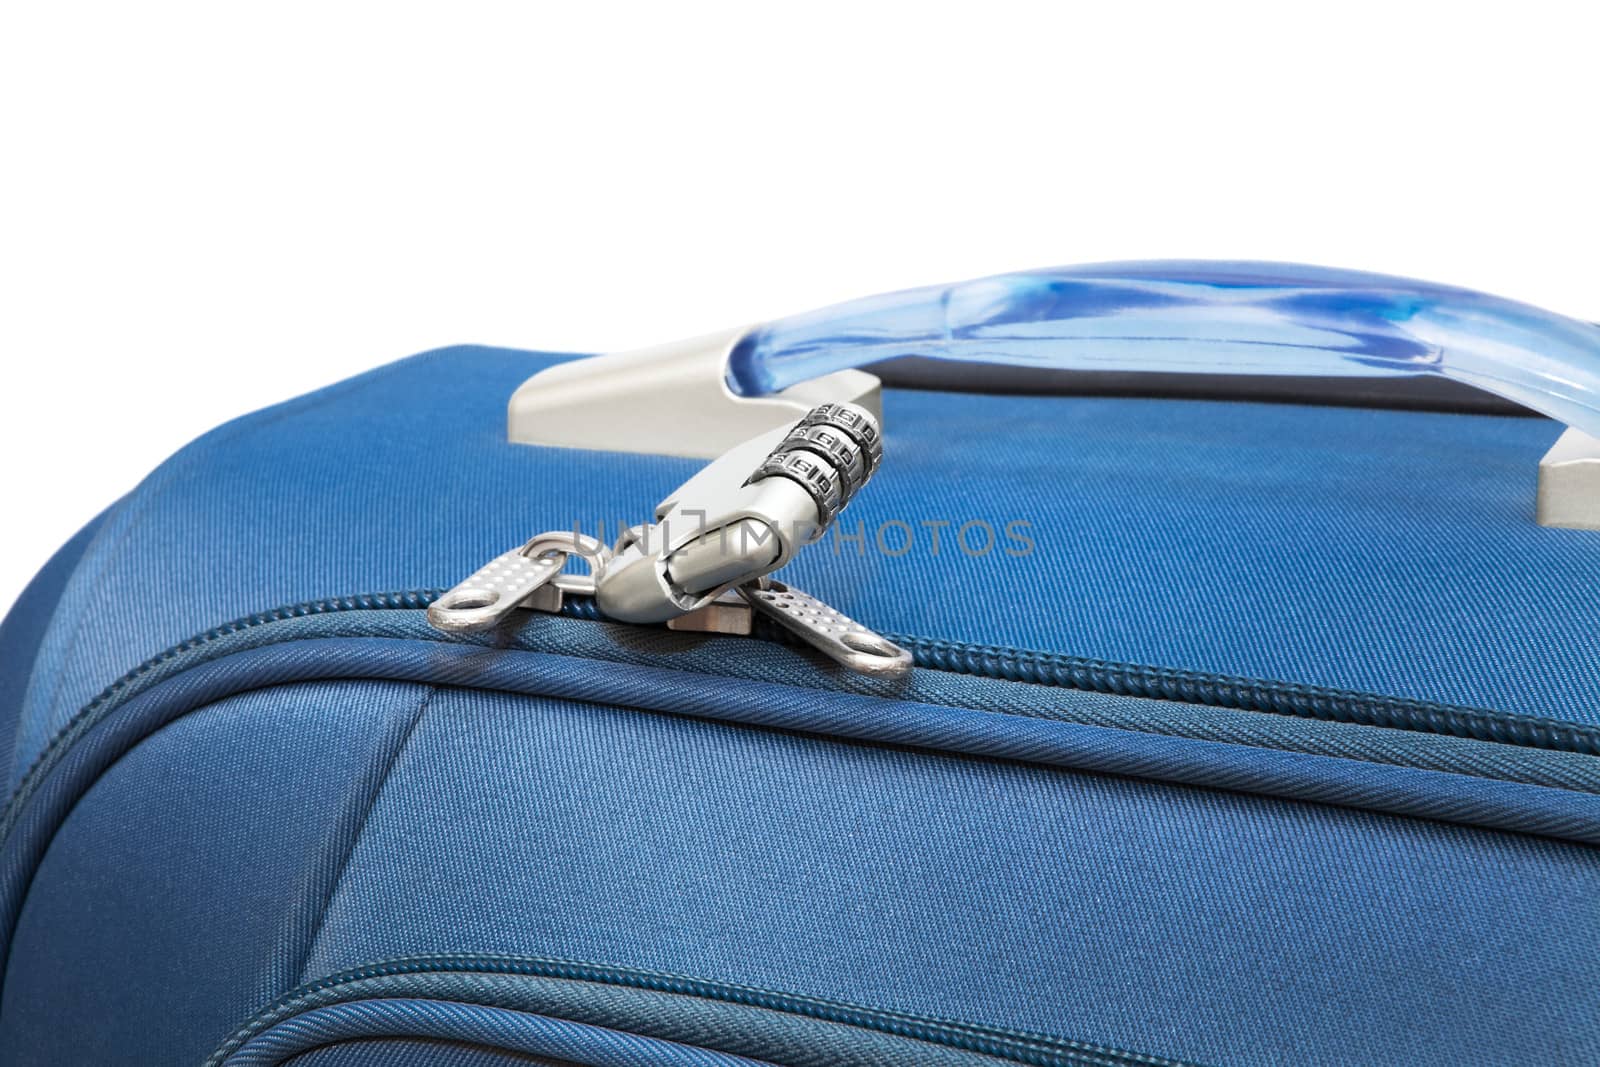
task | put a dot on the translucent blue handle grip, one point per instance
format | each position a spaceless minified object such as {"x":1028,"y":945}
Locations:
{"x":1203,"y":317}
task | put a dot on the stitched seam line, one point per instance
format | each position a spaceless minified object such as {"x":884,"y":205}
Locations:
{"x":357,"y":831}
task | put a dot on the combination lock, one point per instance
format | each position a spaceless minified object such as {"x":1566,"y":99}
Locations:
{"x":743,"y":516}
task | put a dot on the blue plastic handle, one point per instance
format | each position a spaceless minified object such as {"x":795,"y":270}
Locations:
{"x":1202,"y":317}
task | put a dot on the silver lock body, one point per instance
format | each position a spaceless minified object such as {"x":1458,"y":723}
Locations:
{"x":741,"y":517}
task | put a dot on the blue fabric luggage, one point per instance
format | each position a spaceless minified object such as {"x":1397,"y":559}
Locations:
{"x":1254,"y":715}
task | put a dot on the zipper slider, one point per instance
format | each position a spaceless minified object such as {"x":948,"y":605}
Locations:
{"x":703,"y":564}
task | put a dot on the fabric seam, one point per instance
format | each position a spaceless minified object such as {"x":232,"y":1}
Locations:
{"x":7,"y":815}
{"x":138,"y":501}
{"x":1025,"y":1046}
{"x":358,"y":830}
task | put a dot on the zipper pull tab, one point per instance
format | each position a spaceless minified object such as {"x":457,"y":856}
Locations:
{"x":828,"y":629}
{"x":523,"y":577}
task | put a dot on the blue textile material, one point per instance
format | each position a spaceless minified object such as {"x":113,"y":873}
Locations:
{"x":792,"y":1030}
{"x":1472,"y":798}
{"x":186,"y":894}
{"x":1376,"y":550}
{"x":1191,"y":923}
{"x":587,"y":1046}
{"x":24,"y":628}
{"x":732,"y":659}
{"x":1188,"y":923}
{"x":397,"y":1052}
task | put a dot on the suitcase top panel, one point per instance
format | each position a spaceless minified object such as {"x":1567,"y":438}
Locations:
{"x":1384,"y":551}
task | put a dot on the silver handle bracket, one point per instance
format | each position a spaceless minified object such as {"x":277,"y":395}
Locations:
{"x":1569,"y":482}
{"x":667,"y":400}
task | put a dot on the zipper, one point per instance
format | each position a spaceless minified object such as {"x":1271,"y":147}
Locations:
{"x":1019,"y":1046}
{"x":1239,"y":693}
{"x":1000,"y":663}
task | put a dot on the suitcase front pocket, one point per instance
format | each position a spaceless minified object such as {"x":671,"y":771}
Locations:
{"x":950,"y":846}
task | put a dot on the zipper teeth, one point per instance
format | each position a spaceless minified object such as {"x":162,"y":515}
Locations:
{"x":1250,"y":694}
{"x":1017,"y":1045}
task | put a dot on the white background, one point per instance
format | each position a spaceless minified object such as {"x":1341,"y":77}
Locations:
{"x":206,"y":208}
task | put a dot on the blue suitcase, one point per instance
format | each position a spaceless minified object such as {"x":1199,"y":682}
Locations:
{"x":1205,"y":669}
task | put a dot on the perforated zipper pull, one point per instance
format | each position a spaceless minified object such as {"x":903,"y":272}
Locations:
{"x":524,"y":577}
{"x":828,"y":629}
